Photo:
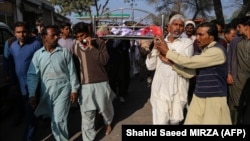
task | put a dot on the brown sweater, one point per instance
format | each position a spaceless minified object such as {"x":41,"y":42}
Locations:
{"x":92,"y":62}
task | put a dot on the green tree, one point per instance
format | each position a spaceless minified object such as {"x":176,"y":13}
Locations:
{"x":196,"y":8}
{"x":81,"y":7}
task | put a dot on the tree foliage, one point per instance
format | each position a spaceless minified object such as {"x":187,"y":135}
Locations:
{"x":190,"y":8}
{"x":69,"y":6}
{"x":81,"y":7}
{"x":201,"y":8}
{"x":194,"y":8}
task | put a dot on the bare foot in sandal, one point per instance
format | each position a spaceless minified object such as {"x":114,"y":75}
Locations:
{"x":108,"y":129}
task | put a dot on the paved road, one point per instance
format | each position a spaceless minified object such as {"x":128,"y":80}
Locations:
{"x":136,"y":110}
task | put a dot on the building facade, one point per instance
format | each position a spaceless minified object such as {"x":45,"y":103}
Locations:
{"x":12,"y":11}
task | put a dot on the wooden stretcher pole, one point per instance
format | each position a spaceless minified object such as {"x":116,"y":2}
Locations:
{"x":94,"y":25}
{"x":162,"y":22}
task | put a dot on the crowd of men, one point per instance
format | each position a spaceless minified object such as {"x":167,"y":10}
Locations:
{"x":203,"y":68}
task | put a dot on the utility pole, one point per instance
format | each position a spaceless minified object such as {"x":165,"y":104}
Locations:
{"x":132,"y":5}
{"x":177,"y":6}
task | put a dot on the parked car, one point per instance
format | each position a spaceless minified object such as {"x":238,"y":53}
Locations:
{"x":5,"y":33}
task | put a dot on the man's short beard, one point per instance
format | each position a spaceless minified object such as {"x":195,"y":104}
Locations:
{"x":175,"y":35}
{"x":22,"y":40}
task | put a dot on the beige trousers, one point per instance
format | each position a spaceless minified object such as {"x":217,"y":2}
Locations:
{"x":210,"y":110}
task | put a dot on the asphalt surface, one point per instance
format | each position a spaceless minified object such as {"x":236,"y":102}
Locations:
{"x":136,"y":110}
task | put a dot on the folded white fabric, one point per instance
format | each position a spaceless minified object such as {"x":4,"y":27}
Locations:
{"x":115,"y":30}
{"x":126,"y":31}
{"x":123,"y":31}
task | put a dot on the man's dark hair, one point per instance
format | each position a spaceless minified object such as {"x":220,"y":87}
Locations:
{"x":212,"y":31}
{"x":229,"y":27}
{"x":63,"y":25}
{"x":81,"y":27}
{"x":22,"y":24}
{"x":34,"y":30}
{"x":244,"y":20}
{"x":44,"y":30}
{"x":219,"y":22}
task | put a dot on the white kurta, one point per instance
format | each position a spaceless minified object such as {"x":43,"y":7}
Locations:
{"x":169,"y":90}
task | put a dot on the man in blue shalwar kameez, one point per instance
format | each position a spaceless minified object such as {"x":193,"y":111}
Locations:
{"x":17,"y":55}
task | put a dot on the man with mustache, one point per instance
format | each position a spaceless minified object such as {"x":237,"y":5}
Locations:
{"x":209,"y":102}
{"x":169,"y":88}
{"x":52,"y":70}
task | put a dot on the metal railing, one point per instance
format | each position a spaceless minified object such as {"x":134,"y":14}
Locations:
{"x":135,"y":26}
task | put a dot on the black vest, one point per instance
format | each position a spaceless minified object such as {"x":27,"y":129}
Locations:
{"x":212,"y":81}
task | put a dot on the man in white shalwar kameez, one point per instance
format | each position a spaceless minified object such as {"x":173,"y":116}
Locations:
{"x":170,"y":83}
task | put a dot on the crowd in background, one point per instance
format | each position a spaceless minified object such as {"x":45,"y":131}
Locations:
{"x":199,"y":67}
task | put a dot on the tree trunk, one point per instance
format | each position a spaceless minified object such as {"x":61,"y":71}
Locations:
{"x":218,"y":10}
{"x":195,"y":14}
